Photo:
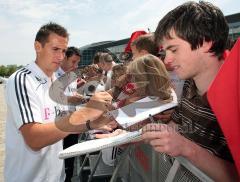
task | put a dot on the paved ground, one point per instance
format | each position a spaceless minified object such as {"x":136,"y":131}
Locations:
{"x":2,"y":129}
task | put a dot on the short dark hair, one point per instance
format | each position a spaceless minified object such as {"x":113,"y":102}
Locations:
{"x":96,"y":57}
{"x":196,"y":22}
{"x":44,"y":32}
{"x":72,"y":51}
{"x":146,"y":42}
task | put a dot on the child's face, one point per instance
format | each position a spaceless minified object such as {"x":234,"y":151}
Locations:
{"x":118,"y":79}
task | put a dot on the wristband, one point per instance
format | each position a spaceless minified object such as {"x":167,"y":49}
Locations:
{"x":88,"y":125}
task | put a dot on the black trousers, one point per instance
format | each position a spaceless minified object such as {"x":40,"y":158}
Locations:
{"x":69,"y":163}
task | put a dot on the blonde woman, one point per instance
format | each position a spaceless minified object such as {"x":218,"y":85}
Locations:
{"x":145,"y":76}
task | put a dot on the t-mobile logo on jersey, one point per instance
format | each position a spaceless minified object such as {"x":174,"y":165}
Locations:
{"x":59,"y":112}
{"x":49,"y":113}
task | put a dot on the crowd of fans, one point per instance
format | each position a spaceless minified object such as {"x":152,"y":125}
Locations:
{"x":50,"y":100}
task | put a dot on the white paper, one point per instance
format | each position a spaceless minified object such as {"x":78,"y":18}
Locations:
{"x":99,"y":144}
{"x":126,"y":116}
{"x":141,"y":109}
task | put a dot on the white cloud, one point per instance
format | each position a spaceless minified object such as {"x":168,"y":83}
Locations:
{"x":29,"y":9}
{"x":87,"y":21}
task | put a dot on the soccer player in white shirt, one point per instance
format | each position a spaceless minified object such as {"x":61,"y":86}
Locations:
{"x":33,"y":136}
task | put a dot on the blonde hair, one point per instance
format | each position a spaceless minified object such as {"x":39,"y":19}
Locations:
{"x":151,"y":77}
{"x":118,"y":70}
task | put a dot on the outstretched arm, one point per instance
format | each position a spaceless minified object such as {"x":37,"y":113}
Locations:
{"x":38,"y":135}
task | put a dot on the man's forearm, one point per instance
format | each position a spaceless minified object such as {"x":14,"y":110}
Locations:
{"x":75,"y":122}
{"x":38,"y":135}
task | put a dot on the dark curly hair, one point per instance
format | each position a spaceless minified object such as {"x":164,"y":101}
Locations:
{"x":196,"y":22}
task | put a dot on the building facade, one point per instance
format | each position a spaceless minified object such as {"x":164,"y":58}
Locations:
{"x":234,"y":25}
{"x":117,"y":47}
{"x":112,"y":47}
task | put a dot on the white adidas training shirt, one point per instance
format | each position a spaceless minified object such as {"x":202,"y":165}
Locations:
{"x":28,"y":101}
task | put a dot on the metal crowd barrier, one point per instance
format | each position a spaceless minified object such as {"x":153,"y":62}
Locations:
{"x":141,"y":163}
{"x":146,"y":165}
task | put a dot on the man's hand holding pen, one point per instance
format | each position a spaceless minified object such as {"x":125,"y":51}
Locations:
{"x":92,"y":114}
{"x":97,"y":107}
{"x":165,"y":138}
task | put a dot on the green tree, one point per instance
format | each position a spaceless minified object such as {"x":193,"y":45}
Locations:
{"x":6,"y":71}
{"x":2,"y":70}
{"x":11,"y":69}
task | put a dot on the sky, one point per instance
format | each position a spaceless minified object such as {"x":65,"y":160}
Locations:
{"x":87,"y":21}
